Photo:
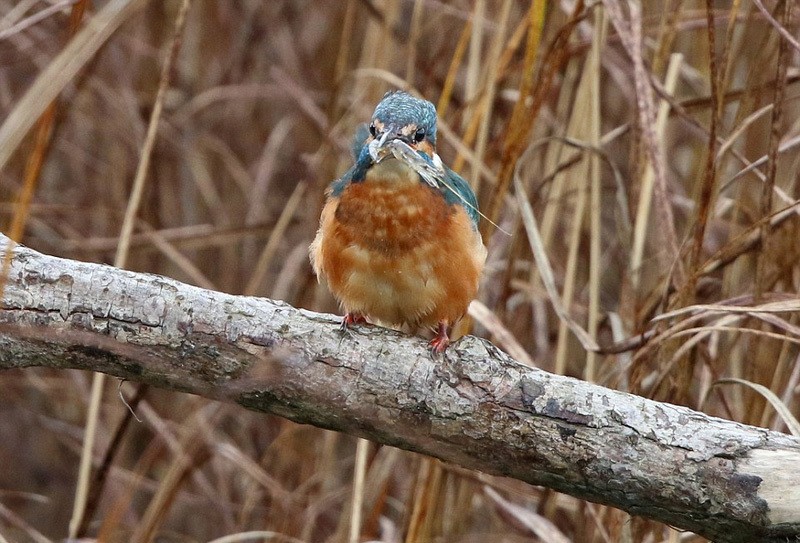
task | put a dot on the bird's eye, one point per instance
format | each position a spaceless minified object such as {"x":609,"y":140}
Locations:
{"x":372,"y":130}
{"x":419,"y":135}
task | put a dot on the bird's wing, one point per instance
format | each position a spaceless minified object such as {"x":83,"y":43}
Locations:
{"x":464,"y":195}
{"x":356,"y":172}
{"x":359,"y":140}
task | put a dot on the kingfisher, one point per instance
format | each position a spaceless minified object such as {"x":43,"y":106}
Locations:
{"x":398,"y":240}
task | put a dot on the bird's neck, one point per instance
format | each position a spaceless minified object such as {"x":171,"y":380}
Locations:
{"x":392,"y":173}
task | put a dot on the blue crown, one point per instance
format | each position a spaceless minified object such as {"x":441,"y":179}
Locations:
{"x":400,"y":109}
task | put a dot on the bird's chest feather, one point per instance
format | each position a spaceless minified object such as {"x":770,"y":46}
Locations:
{"x":391,"y":212}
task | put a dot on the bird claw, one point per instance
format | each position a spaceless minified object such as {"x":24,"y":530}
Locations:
{"x":349,"y":320}
{"x":440,"y":342}
{"x":438,"y":345}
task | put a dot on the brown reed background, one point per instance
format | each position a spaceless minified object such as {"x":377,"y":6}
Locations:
{"x":642,"y":213}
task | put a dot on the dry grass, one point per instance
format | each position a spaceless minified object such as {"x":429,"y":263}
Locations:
{"x":659,"y":185}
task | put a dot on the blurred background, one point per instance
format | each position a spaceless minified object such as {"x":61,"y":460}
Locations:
{"x":654,"y":143}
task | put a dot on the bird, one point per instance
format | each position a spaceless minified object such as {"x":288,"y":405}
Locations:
{"x":398,"y":240}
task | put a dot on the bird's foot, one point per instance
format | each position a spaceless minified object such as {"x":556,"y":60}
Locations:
{"x":349,"y":320}
{"x":352,"y":318}
{"x":440,"y":342}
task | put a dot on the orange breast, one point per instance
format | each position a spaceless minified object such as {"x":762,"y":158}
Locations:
{"x":398,"y":253}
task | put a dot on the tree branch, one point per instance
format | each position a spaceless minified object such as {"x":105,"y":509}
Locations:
{"x":475,"y":407}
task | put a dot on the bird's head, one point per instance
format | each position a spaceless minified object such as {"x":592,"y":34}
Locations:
{"x":400,"y":116}
{"x":401,"y":136}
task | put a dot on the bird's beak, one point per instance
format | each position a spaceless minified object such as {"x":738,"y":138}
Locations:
{"x":390,"y":133}
{"x":379,"y":147}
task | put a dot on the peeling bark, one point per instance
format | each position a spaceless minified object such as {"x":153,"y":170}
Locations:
{"x":475,"y":406}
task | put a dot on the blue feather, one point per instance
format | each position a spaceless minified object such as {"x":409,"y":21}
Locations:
{"x":359,"y":140}
{"x":469,"y":201}
{"x":401,"y":109}
{"x":355,"y":174}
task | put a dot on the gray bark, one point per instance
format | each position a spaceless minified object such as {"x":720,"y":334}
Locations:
{"x":475,"y":406}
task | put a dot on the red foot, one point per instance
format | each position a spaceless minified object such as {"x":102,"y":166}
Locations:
{"x":352,"y":318}
{"x":439,"y":343}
